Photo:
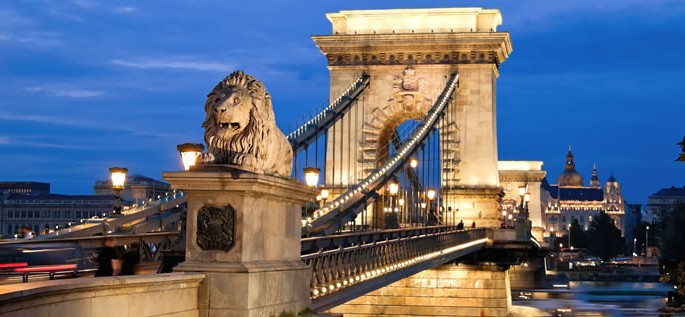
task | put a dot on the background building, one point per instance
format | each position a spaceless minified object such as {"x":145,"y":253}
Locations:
{"x":570,"y":199}
{"x":512,"y":175}
{"x":30,"y":204}
{"x":37,"y":211}
{"x":137,"y":188}
{"x":632,"y":219}
{"x":662,"y":202}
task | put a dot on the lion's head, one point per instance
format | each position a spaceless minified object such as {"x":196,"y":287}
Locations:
{"x":240,"y":125}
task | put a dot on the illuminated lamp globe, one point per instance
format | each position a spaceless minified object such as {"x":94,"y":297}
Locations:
{"x":393,"y":188}
{"x":189,"y":154}
{"x":118,"y":175}
{"x":311,"y":176}
{"x":413,"y":162}
{"x":431,"y":193}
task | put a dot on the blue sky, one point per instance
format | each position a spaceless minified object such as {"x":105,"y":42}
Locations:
{"x":85,"y":85}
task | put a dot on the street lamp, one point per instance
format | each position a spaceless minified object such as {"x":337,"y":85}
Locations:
{"x":118,"y":175}
{"x":393,"y":188}
{"x":522,"y":223}
{"x":189,"y":154}
{"x":635,"y":246}
{"x":430,"y":193}
{"x":311,"y":176}
{"x":569,"y":236}
{"x":646,"y":240}
{"x":413,"y":162}
{"x":324,"y":195}
{"x":391,"y":220}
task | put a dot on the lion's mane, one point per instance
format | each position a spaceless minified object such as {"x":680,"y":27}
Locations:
{"x":252,"y":147}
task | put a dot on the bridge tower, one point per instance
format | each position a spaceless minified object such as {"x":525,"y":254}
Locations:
{"x":409,"y":55}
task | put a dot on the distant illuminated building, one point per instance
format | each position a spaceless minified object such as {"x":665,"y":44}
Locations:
{"x":137,"y":188}
{"x":663,"y":202}
{"x":570,"y":199}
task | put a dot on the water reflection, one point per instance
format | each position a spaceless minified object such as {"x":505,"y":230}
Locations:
{"x":599,"y":299}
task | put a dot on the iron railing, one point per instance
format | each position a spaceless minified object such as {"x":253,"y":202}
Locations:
{"x":349,"y":263}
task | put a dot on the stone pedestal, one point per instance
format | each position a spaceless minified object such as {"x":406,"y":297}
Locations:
{"x":243,"y":233}
{"x":448,"y":290}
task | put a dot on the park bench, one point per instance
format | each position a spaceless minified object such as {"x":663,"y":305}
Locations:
{"x":50,"y":270}
{"x":12,"y":265}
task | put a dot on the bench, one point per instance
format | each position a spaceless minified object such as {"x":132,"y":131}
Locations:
{"x":51,"y":270}
{"x":12,"y":265}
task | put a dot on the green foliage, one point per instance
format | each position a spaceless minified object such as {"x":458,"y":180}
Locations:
{"x":578,"y":235}
{"x":673,"y":234}
{"x":604,"y":238}
{"x":676,"y":276}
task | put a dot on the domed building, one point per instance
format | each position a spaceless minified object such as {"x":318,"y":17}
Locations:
{"x":570,"y":199}
{"x":570,"y":177}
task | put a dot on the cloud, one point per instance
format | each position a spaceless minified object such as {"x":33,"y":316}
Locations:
{"x":67,"y":92}
{"x":88,"y":124}
{"x":175,"y":64}
{"x":41,"y":39}
{"x":28,"y":142}
{"x":84,"y":4}
{"x":124,"y":9}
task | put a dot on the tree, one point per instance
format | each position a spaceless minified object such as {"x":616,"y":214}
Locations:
{"x":672,"y":242}
{"x":604,"y":238}
{"x":578,"y":235}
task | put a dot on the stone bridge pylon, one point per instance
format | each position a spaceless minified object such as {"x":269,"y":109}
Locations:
{"x":409,"y":55}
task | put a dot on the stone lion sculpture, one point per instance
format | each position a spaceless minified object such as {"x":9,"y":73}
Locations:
{"x":240,"y":128}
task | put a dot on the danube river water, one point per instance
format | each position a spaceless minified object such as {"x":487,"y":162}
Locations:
{"x":599,"y":299}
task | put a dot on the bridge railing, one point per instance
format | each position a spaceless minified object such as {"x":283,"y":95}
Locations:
{"x":129,"y":215}
{"x":310,"y":130}
{"x":345,"y":261}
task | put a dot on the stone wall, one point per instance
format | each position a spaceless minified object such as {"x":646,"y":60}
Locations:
{"x":172,"y":295}
{"x":449,"y":290}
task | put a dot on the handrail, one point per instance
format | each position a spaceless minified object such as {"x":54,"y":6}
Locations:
{"x":308,"y":132}
{"x":330,"y":217}
{"x":339,"y":275}
{"x":129,"y":215}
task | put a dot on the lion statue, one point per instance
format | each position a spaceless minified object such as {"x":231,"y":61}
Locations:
{"x":240,"y":128}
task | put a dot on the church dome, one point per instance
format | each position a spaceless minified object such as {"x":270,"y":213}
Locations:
{"x":569,"y":177}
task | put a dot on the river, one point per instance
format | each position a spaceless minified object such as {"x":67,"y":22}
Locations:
{"x":599,"y":299}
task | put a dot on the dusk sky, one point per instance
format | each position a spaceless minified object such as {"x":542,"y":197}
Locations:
{"x":86,"y":85}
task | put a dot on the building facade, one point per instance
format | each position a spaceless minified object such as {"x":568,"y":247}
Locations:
{"x":570,"y":199}
{"x":662,"y":202}
{"x":137,"y":188}
{"x":31,"y":205}
{"x":41,"y":211}
{"x":515,"y":174}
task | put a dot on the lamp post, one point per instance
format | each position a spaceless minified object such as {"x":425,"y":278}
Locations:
{"x":635,"y":246}
{"x":189,"y":154}
{"x":391,"y":221}
{"x":311,"y":176}
{"x":430,"y":194}
{"x":118,"y":175}
{"x":646,"y":240}
{"x":324,"y":195}
{"x":569,"y":236}
{"x":522,"y":224}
